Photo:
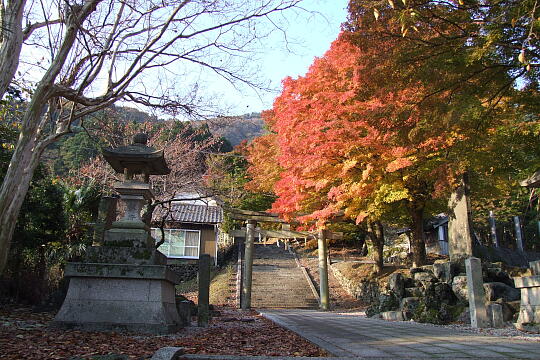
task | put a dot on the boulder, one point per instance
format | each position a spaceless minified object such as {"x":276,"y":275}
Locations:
{"x":498,"y":290}
{"x":414,"y":292}
{"x":424,"y":277}
{"x":444,"y":271}
{"x":459,"y":287}
{"x":438,"y":294}
{"x":373,"y":311}
{"x":388,"y":302}
{"x":396,"y":285}
{"x":439,"y":271}
{"x":498,"y":275}
{"x":410,"y":304}
{"x":409,"y":282}
{"x":448,"y":313}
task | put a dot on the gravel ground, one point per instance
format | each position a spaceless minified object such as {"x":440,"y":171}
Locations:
{"x":509,"y":332}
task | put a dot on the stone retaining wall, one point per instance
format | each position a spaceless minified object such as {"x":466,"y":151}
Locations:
{"x":186,"y":271}
{"x":365,"y":290}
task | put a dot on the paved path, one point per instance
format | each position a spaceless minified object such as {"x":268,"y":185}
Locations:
{"x":353,"y":336}
{"x":278,"y":282}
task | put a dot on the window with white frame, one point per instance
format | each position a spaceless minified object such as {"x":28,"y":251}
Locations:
{"x":179,"y":243}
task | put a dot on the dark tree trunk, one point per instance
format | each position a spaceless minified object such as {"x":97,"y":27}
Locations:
{"x":418,"y":245}
{"x":376,"y":235}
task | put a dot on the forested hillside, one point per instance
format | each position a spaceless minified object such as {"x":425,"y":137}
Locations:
{"x":237,"y":128}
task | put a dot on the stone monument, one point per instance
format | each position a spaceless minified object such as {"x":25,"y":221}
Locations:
{"x":125,"y":285}
{"x":529,"y":310}
{"x":460,"y":241}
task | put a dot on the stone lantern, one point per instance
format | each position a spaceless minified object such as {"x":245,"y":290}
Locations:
{"x":135,"y":160}
{"x":125,"y":284}
{"x":529,"y":311}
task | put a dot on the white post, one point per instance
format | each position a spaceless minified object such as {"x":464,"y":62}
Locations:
{"x":519,"y":234}
{"x":493,"y":226}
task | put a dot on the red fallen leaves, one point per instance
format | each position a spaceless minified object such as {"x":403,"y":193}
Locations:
{"x":23,"y":335}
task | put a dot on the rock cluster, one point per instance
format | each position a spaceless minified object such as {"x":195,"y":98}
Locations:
{"x":434,"y":293}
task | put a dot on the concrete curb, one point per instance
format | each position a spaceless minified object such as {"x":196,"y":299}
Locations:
{"x":306,"y":275}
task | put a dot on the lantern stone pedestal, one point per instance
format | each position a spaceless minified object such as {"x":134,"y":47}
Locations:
{"x":120,"y":297}
{"x":125,"y":284}
{"x":529,"y":311}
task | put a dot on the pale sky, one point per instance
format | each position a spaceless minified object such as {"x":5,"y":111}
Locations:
{"x":307,"y":32}
{"x":309,"y":36}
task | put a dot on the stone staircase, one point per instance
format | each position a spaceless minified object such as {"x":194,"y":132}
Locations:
{"x":278,"y":282}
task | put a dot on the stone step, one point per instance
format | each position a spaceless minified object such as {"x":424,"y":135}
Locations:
{"x":278,"y":282}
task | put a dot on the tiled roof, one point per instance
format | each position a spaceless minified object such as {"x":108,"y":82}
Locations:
{"x":198,"y":214}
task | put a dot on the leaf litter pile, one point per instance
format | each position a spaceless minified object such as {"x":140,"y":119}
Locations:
{"x":26,"y":335}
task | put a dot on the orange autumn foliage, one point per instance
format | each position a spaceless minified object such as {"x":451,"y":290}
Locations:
{"x":340,"y":135}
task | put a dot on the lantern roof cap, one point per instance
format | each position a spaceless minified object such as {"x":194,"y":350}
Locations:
{"x":137,"y":158}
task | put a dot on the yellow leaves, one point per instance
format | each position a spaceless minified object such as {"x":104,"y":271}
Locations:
{"x":521,"y":57}
{"x":404,"y":30}
{"x":367,"y":172}
{"x":361,"y":217}
{"x":376,"y":13}
{"x":390,"y":193}
{"x":391,"y":3}
{"x":348,"y":165}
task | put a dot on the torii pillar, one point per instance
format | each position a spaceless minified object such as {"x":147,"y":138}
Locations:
{"x":248,"y":265}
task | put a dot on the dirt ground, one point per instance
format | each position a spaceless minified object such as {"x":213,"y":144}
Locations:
{"x":26,"y":335}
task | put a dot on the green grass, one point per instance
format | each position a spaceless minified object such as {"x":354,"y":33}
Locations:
{"x":220,"y":289}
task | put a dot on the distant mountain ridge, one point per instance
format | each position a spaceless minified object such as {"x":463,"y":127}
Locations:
{"x":233,"y":128}
{"x":237,"y":128}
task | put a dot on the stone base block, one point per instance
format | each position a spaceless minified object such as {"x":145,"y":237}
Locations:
{"x":529,"y":314}
{"x":393,"y":316}
{"x":129,"y":237}
{"x":527,"y":281}
{"x":116,"y":303}
{"x":124,"y":255}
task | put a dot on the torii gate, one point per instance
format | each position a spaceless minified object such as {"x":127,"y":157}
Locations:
{"x":251,"y":218}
